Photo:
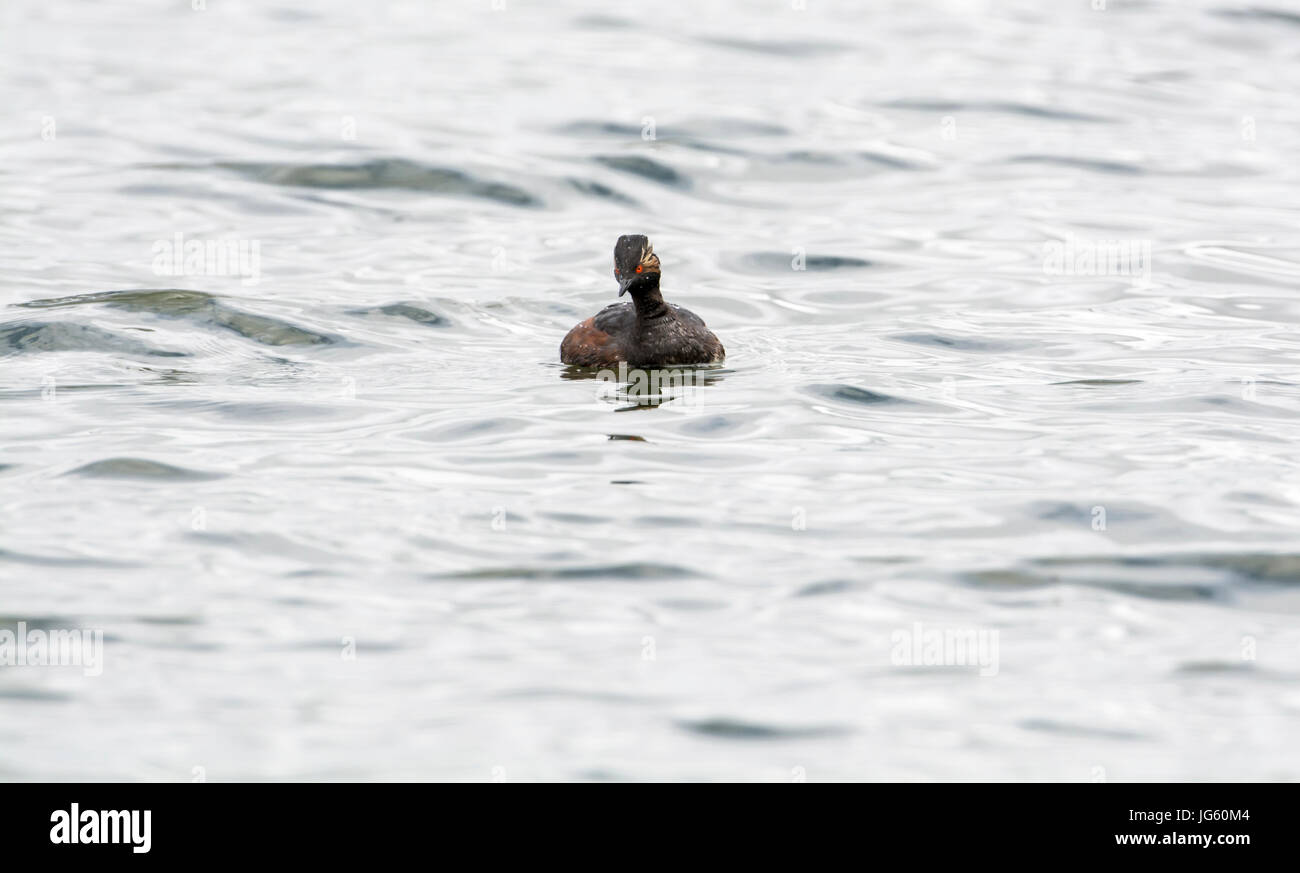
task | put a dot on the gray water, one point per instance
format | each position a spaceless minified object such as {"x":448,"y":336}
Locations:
{"x":340,"y":513}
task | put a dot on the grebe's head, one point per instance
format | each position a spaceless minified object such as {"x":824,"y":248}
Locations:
{"x":635,"y":263}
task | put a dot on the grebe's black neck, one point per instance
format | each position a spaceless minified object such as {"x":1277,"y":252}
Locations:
{"x":649,"y":303}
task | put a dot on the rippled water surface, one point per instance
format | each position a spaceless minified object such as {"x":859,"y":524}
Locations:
{"x":345,"y":516}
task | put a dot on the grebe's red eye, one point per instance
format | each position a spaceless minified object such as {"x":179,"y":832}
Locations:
{"x":616,"y":271}
{"x":638,"y":268}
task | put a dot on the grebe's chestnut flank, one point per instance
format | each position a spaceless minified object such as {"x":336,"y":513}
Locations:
{"x":646,"y":332}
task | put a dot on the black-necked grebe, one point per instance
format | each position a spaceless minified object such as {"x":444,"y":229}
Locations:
{"x":646,"y":332}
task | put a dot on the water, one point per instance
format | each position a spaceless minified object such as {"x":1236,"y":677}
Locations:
{"x":341,"y":514}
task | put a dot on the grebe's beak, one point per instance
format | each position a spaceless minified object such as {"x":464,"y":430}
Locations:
{"x":624,"y":283}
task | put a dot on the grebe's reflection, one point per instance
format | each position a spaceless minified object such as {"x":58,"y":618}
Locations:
{"x":648,"y":387}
